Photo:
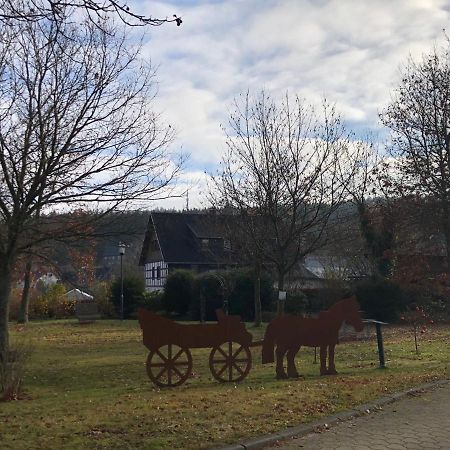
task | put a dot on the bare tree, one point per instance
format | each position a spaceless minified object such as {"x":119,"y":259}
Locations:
{"x":97,"y":11}
{"x":419,"y":117}
{"x":369,"y":190}
{"x":76,"y":130}
{"x":280,"y":173}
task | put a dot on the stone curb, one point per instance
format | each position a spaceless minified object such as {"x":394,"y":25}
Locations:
{"x":302,"y":430}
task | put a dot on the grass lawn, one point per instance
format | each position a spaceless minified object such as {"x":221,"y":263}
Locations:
{"x":88,"y":388}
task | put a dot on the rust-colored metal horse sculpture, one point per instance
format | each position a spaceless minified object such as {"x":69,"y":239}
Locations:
{"x":289,"y":333}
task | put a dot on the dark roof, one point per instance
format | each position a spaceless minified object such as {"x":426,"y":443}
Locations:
{"x":303,"y":272}
{"x":179,"y":236}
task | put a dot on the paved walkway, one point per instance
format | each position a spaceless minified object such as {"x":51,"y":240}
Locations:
{"x":419,"y":421}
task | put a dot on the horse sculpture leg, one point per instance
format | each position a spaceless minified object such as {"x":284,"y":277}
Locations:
{"x":331,"y":367}
{"x":291,"y":369}
{"x":279,"y":353}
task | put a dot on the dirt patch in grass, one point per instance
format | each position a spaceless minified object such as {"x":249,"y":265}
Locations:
{"x":89,"y":390}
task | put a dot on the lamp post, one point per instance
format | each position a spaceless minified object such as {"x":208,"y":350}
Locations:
{"x":121,"y":253}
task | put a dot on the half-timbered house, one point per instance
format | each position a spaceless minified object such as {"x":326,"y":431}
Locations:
{"x":183,"y":240}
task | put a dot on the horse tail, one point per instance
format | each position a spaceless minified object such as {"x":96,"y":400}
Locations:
{"x":269,"y":343}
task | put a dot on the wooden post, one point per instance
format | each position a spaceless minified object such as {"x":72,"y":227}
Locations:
{"x":380,"y":345}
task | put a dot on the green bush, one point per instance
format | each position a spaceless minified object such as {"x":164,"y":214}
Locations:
{"x":133,"y":294}
{"x":153,"y":301}
{"x":101,"y":291}
{"x":296,"y":303}
{"x":380,"y":299}
{"x":52,"y":303}
{"x":207,"y":287}
{"x":234,"y":286}
{"x":241,"y":297}
{"x":178,"y":292}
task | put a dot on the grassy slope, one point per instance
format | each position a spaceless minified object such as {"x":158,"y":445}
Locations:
{"x":89,"y":390}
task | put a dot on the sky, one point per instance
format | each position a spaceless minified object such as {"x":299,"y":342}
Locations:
{"x":347,"y":51}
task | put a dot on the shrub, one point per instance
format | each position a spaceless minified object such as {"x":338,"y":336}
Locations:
{"x":236,"y":286}
{"x":133,"y":294}
{"x":380,"y":299}
{"x":241,"y":296}
{"x":52,"y":303}
{"x":433,"y":294}
{"x":178,"y":292}
{"x":417,"y":318}
{"x":296,"y":303}
{"x":101,"y":291}
{"x":153,"y":301}
{"x":207,"y":288}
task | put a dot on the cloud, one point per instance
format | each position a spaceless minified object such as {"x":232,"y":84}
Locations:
{"x":345,"y":50}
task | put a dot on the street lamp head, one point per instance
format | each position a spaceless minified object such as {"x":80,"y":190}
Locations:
{"x":122,"y":248}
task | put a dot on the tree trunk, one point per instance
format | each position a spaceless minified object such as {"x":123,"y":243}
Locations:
{"x":25,"y":301}
{"x":446,"y":229}
{"x":447,"y":253}
{"x":5,"y":290}
{"x":280,"y":303}
{"x":257,"y":296}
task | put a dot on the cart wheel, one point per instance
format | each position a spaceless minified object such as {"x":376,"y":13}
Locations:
{"x":230,"y":361}
{"x":169,"y":365}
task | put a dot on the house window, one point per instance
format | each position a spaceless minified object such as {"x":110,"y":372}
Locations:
{"x":153,"y":273}
{"x":205,"y":243}
{"x":226,"y":244}
{"x":158,"y":272}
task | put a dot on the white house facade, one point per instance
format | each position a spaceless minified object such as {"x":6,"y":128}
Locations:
{"x":155,"y":275}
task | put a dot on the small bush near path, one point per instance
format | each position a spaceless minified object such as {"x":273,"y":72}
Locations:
{"x":88,"y":389}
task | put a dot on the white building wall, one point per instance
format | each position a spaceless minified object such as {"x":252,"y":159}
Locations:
{"x":155,"y":275}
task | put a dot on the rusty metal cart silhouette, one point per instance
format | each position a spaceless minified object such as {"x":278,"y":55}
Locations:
{"x":169,"y":362}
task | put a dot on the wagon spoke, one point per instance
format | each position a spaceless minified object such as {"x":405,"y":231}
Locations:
{"x":177,"y":372}
{"x":179,"y":363}
{"x":237,"y":351}
{"x":180,"y":352}
{"x":160,"y":373}
{"x":158,"y":364}
{"x":221,"y":351}
{"x":161,"y":356}
{"x":222,"y":370}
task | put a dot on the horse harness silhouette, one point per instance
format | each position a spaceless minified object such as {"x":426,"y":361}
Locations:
{"x":169,"y":362}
